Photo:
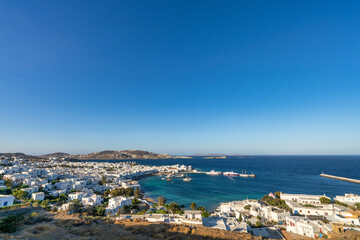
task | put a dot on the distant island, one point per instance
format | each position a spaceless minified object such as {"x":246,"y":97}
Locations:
{"x":103,"y":155}
{"x":215,"y":157}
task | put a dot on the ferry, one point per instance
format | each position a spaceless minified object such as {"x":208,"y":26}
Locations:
{"x":242,"y":174}
{"x":214,"y":173}
{"x":230,"y":173}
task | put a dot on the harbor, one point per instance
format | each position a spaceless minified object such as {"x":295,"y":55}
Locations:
{"x":340,"y":178}
{"x":211,"y":173}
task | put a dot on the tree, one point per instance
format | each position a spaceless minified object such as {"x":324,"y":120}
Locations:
{"x":100,"y":211}
{"x":240,"y":218}
{"x":205,"y":214}
{"x":115,"y":192}
{"x":357,"y":205}
{"x":63,"y":198}
{"x":103,"y":181}
{"x":8,"y":183}
{"x":193,"y":206}
{"x":161,"y":201}
{"x":21,"y":194}
{"x":137,"y":193}
{"x":107,"y":192}
{"x":325,"y":200}
{"x":202,"y":209}
{"x":174,"y":207}
{"x":129,"y":192}
{"x":247,"y":207}
{"x":277,"y":194}
{"x":75,"y":206}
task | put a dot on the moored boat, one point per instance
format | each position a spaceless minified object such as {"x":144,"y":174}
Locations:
{"x":214,"y":173}
{"x":230,"y":173}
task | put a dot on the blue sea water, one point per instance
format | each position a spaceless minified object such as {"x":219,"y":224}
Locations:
{"x":289,"y":174}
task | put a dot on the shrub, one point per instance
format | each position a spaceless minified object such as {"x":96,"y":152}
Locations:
{"x":10,"y":223}
{"x":341,"y":203}
{"x":205,"y":214}
{"x":325,"y":200}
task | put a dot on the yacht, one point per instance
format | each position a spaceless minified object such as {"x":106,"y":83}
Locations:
{"x":242,"y":174}
{"x":230,"y":173}
{"x":187,"y":179}
{"x":214,"y":173}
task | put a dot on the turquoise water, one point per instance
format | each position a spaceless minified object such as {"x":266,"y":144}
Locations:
{"x":290,"y":174}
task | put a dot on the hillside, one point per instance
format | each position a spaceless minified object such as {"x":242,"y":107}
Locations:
{"x":109,"y":154}
{"x":126,"y":154}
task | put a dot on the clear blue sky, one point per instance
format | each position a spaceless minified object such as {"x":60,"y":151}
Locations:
{"x":180,"y":77}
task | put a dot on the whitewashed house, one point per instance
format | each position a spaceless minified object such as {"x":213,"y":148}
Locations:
{"x":306,"y":227}
{"x":117,"y":203}
{"x":302,"y":198}
{"x":76,"y":196}
{"x":192,"y":217}
{"x":57,"y":193}
{"x":38,"y":196}
{"x":6,"y":200}
{"x":349,"y":198}
{"x":91,"y":199}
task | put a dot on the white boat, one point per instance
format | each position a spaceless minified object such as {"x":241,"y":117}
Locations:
{"x":187,"y":179}
{"x":230,"y":173}
{"x":214,"y":173}
{"x":242,"y":174}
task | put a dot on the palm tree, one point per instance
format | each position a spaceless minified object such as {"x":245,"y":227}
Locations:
{"x":193,"y":206}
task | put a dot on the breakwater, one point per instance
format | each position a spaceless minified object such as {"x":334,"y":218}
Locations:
{"x":340,"y":178}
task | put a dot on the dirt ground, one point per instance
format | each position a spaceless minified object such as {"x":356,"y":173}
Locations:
{"x":63,"y":226}
{"x":56,"y":226}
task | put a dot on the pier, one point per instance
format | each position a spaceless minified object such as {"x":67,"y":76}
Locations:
{"x":340,"y":178}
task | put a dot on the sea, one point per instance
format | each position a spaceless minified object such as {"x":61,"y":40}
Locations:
{"x":289,"y":174}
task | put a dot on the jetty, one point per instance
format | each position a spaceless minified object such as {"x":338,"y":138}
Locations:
{"x":340,"y":178}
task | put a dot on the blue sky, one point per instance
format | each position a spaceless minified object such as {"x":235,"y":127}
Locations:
{"x":180,"y":77}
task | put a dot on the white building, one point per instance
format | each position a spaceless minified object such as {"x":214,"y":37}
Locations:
{"x":349,"y":198}
{"x":91,"y":200}
{"x":117,"y":203}
{"x":38,"y":196}
{"x":306,"y":227}
{"x":76,"y":196}
{"x":302,"y":198}
{"x":316,"y":209}
{"x":6,"y":200}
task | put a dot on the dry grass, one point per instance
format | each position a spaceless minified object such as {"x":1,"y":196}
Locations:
{"x":73,"y":227}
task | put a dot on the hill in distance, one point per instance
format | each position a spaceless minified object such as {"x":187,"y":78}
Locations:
{"x":105,"y":155}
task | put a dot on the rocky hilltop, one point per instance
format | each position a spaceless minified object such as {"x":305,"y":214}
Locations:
{"x":109,"y":154}
{"x":126,"y":154}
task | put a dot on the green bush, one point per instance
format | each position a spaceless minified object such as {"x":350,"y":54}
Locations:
{"x":247,"y":207}
{"x":205,"y":214}
{"x":10,"y":223}
{"x":325,"y":200}
{"x":341,"y":203}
